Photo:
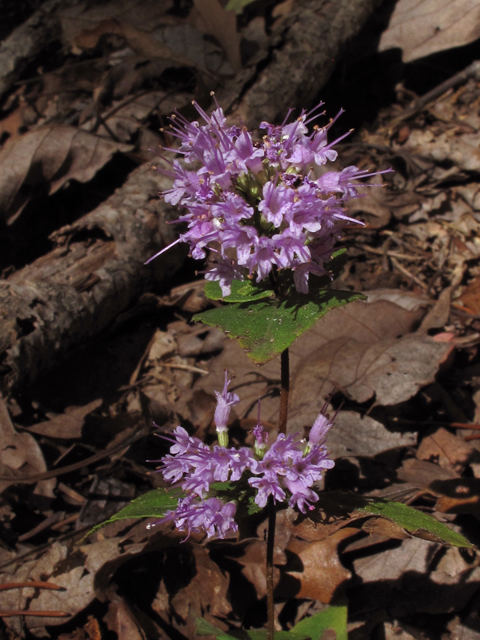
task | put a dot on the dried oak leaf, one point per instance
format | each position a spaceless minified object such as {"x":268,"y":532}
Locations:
{"x":253,"y":562}
{"x":47,"y":158}
{"x":424,"y":27}
{"x":448,"y":450}
{"x":320,"y":573}
{"x":207,"y":590}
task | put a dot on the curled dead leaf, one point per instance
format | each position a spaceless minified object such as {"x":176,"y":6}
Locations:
{"x":322,"y":572}
{"x":48,"y":157}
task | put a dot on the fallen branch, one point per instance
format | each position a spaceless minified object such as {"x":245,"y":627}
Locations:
{"x":97,"y":270}
{"x":304,"y":54}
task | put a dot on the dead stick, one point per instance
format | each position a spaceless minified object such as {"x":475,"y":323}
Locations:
{"x":40,"y":614}
{"x":36,"y":477}
{"x":472,"y":70}
{"x":34,"y":584}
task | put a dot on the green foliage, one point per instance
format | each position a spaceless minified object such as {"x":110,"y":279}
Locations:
{"x":205,"y":628}
{"x":334,"y":617}
{"x":265,"y":328}
{"x":245,"y":291}
{"x":238,"y":5}
{"x":417,"y":523}
{"x":153,"y":504}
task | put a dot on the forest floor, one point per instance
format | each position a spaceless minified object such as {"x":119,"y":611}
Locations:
{"x":402,"y":369}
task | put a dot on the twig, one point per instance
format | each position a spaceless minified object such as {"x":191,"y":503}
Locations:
{"x":40,"y":614}
{"x":184,"y":367}
{"x":471,"y":71}
{"x":390,"y":254}
{"x":36,"y":477}
{"x":407,"y":273}
{"x":34,"y":584}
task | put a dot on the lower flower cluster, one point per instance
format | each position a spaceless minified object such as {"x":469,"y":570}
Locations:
{"x":285,"y":470}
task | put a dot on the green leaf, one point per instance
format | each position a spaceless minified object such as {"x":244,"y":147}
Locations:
{"x":265,"y":328}
{"x":242,"y":291}
{"x":417,"y":523}
{"x":224,"y":486}
{"x":237,"y":5}
{"x":153,"y":504}
{"x":248,"y":290}
{"x":335,"y":617}
{"x":205,"y":628}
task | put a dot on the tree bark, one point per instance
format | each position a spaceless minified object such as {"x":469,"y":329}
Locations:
{"x":303,"y":57}
{"x":26,"y":41}
{"x":97,"y":269}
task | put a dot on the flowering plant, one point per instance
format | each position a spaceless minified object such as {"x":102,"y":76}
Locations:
{"x":287,"y":468}
{"x":258,"y":206}
{"x":269,"y":215}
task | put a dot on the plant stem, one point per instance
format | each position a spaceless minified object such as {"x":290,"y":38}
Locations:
{"x":284,"y":391}
{"x":272,"y":513}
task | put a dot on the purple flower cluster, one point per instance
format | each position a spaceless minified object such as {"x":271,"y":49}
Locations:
{"x":257,"y":205}
{"x":286,"y":470}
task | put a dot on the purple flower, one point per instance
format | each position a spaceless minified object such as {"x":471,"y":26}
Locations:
{"x":211,"y":516}
{"x":285,"y":471}
{"x":225,"y":401}
{"x":254,"y":203}
{"x":277,"y":200}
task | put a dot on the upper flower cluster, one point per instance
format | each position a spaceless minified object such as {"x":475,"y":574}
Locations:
{"x":286,"y":471}
{"x":257,"y":205}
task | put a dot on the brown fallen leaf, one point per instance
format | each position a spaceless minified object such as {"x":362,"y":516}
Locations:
{"x":357,"y":435}
{"x":422,"y":473}
{"x":317,"y":525}
{"x":68,"y":425}
{"x":448,"y":450}
{"x":323,"y":573}
{"x":20,"y":451}
{"x":253,"y":562}
{"x":385,"y":528}
{"x":223,"y":25}
{"x":47,"y":158}
{"x":141,"y":42}
{"x":459,"y":495}
{"x":74,"y":572}
{"x":428,"y":26}
{"x":431,"y":579}
{"x":459,"y":148}
{"x":317,"y":356}
{"x":438,"y":315}
{"x":121,"y":621}
{"x":469,"y":301}
{"x":207,"y":590}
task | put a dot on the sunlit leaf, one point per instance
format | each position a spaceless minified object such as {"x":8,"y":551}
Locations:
{"x":334,"y":618}
{"x":242,"y":291}
{"x":153,"y":504}
{"x":265,"y":328}
{"x":417,"y":523}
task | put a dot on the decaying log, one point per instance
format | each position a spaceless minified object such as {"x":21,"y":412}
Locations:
{"x":25,"y":43}
{"x":303,"y":57}
{"x":55,"y":304}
